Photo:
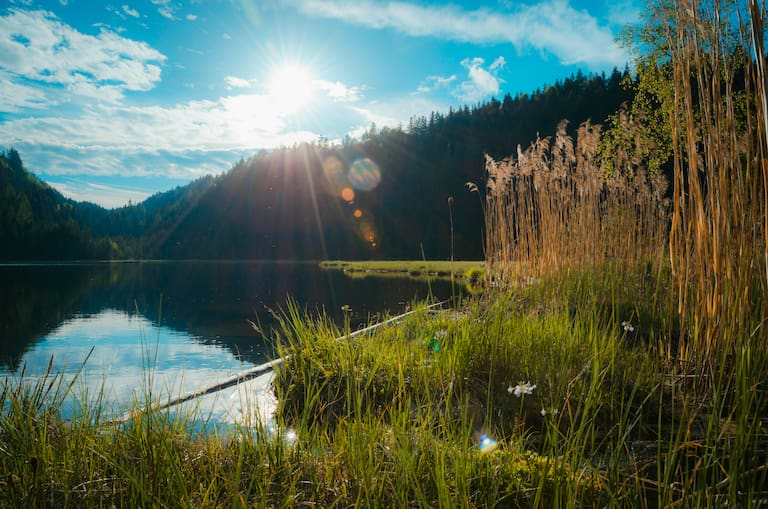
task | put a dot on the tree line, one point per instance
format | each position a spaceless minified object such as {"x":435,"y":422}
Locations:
{"x":307,"y":201}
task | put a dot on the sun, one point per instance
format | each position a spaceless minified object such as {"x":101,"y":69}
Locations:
{"x":290,"y":87}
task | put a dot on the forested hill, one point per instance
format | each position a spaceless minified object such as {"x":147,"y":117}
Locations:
{"x":396,"y":193}
{"x":38,"y":223}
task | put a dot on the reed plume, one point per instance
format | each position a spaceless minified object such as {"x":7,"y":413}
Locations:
{"x":552,"y":207}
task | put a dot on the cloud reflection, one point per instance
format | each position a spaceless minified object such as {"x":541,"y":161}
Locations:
{"x":133,"y":357}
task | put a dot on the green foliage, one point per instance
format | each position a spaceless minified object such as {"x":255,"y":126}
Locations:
{"x":37,"y":222}
{"x":387,"y":420}
{"x":474,"y":275}
{"x":639,"y":134}
{"x":282,"y":205}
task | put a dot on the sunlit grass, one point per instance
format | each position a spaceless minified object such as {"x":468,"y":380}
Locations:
{"x":581,"y":380}
{"x":397,"y":417}
{"x":403,"y":267}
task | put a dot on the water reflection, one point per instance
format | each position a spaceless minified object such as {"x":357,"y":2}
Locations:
{"x":178,"y":325}
{"x":247,"y":403}
{"x":130,"y":360}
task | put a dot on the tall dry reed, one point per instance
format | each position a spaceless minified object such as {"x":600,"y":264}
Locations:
{"x":552,"y":207}
{"x":718,"y":233}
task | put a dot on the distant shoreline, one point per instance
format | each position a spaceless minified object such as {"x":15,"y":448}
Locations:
{"x":440,"y":268}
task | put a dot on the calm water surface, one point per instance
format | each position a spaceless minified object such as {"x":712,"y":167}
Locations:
{"x":170,"y":326}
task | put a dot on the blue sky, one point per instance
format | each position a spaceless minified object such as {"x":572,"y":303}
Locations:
{"x":114,"y":101}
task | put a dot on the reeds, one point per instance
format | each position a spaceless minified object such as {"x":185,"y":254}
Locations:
{"x":550,"y":210}
{"x":552,"y":207}
{"x":718,"y":234}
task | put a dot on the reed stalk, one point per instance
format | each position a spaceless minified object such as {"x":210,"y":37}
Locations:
{"x":552,"y":207}
{"x":717,"y":248}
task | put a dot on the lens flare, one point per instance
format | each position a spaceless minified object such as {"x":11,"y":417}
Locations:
{"x":335,"y":176}
{"x":364,"y":174}
{"x":487,"y":444}
{"x":348,"y":194}
{"x":367,"y":232}
{"x":358,"y":213}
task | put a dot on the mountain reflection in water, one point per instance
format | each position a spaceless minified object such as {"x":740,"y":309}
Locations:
{"x":185,"y":324}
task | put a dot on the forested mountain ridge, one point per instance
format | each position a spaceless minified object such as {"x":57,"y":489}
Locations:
{"x":39,"y":223}
{"x":396,"y":193}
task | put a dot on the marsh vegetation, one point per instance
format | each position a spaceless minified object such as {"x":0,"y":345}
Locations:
{"x":619,"y":358}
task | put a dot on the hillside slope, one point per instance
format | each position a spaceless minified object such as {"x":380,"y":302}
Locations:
{"x":395,"y":193}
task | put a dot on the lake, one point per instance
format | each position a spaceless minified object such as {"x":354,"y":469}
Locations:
{"x":172,"y":327}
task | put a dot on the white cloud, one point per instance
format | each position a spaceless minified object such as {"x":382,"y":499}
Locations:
{"x":105,"y":93}
{"x":235,"y":82}
{"x":574,"y":36}
{"x":191,"y":17}
{"x":166,"y":12}
{"x":338,"y":91}
{"x":434,"y":82}
{"x":190,"y":139}
{"x":622,"y":12}
{"x":106,"y":196}
{"x":335,"y":90}
{"x":165,"y":9}
{"x":240,"y":123}
{"x":130,"y":12}
{"x":499,"y":63}
{"x":482,"y":83}
{"x":36,"y":46}
{"x":394,"y":112}
{"x":17,"y":96}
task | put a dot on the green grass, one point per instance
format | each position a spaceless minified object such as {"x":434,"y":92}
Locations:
{"x":404,"y":267}
{"x":395,"y":418}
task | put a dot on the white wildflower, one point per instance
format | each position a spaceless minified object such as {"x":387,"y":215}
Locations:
{"x":627,"y":326}
{"x":520,"y":389}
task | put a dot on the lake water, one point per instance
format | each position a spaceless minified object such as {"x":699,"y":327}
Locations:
{"x":172,"y":327}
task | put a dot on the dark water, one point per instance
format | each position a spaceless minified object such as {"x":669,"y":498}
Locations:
{"x":184,"y":324}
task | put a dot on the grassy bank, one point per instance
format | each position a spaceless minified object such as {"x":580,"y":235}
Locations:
{"x":412,"y":268}
{"x":549,"y":394}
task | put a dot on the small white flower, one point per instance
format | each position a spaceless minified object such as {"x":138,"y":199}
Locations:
{"x":520,"y":389}
{"x":545,"y":412}
{"x":627,"y":326}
